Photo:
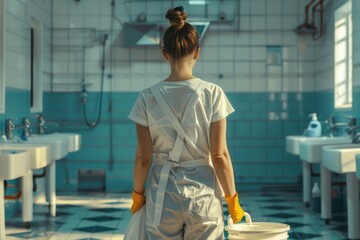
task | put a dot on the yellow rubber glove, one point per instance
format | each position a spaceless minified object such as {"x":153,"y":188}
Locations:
{"x":235,"y":210}
{"x":138,"y":201}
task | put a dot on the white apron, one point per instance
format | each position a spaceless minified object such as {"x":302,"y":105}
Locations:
{"x":183,"y":197}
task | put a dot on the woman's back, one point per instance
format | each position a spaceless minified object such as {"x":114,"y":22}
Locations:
{"x":210,"y":106}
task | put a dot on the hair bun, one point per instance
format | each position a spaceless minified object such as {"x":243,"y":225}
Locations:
{"x":176,"y":16}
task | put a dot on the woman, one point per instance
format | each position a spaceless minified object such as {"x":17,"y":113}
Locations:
{"x":182,"y":121}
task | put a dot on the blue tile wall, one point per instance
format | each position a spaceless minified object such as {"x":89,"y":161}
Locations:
{"x":325,"y":105}
{"x":256,"y":133}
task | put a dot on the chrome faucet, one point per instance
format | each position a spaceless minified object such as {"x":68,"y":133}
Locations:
{"x":9,"y":129}
{"x":355,"y":136}
{"x":334,"y":127}
{"x":26,"y":126}
{"x":41,"y":124}
{"x":3,"y":139}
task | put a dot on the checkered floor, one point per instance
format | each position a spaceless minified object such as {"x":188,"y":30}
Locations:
{"x":105,"y":217}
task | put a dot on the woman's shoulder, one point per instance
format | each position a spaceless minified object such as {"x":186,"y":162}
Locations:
{"x":208,"y":87}
{"x":146,"y":91}
{"x":211,"y":88}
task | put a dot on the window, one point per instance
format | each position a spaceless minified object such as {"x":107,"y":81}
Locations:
{"x":343,"y":57}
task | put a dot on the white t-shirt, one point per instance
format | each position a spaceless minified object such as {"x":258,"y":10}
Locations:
{"x":211,"y":106}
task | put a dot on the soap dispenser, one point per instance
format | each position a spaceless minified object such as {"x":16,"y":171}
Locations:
{"x":314,"y":128}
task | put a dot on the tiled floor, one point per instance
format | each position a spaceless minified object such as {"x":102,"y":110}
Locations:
{"x":105,"y":217}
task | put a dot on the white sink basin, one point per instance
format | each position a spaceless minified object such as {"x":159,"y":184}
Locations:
{"x":293,"y":142}
{"x":39,"y":154}
{"x":311,"y":149}
{"x":340,"y":158}
{"x":358,"y":166}
{"x":73,"y":138}
{"x":59,"y":146}
{"x":13,"y":164}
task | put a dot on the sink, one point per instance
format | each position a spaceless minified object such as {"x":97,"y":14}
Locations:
{"x":340,"y":158}
{"x":358,"y":166}
{"x":59,"y":146}
{"x":73,"y":138}
{"x":39,"y":154}
{"x":13,"y":164}
{"x":311,"y":149}
{"x":293,"y":142}
{"x":310,"y":153}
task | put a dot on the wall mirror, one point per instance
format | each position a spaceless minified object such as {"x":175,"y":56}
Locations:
{"x":2,"y":56}
{"x":36,"y":45}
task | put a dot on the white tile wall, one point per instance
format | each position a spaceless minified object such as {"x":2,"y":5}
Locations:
{"x":258,"y":22}
{"x":242,"y":83}
{"x":289,"y":22}
{"x":275,"y":84}
{"x":291,"y":7}
{"x":291,"y":84}
{"x":239,"y":56}
{"x":274,"y":23}
{"x":226,"y":53}
{"x":258,"y":7}
{"x":306,"y":83}
{"x":17,"y":53}
{"x":258,"y":53}
{"x":273,"y":38}
{"x":274,"y":7}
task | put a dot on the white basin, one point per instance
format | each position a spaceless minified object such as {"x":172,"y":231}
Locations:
{"x":73,"y":138}
{"x":340,"y":158}
{"x":13,"y":164}
{"x":39,"y":154}
{"x":59,"y":146}
{"x":358,"y":166}
{"x":293,"y":142}
{"x":311,"y":149}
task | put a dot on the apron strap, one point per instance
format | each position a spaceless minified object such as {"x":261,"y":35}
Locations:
{"x":181,"y":134}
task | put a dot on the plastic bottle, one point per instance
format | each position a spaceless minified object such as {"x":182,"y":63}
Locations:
{"x":316,"y":203}
{"x":314,"y":128}
{"x":315,"y":192}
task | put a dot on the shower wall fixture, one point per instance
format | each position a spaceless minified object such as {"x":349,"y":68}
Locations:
{"x":313,"y":24}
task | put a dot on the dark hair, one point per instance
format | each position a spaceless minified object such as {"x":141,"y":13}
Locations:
{"x":181,"y":38}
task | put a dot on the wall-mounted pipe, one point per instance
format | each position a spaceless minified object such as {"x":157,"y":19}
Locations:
{"x":307,"y":8}
{"x":321,"y":12}
{"x":35,"y":176}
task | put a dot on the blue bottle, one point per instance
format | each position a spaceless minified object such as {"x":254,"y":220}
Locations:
{"x":314,"y":128}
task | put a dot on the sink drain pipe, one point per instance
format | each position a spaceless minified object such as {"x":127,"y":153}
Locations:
{"x":12,"y":197}
{"x":35,"y":176}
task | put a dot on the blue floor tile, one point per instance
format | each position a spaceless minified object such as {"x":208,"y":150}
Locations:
{"x":93,"y":217}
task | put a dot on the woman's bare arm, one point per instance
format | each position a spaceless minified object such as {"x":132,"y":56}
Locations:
{"x":143,"y":158}
{"x":221,"y":158}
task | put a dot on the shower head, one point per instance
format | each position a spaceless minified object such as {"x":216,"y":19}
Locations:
{"x":305,"y":28}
